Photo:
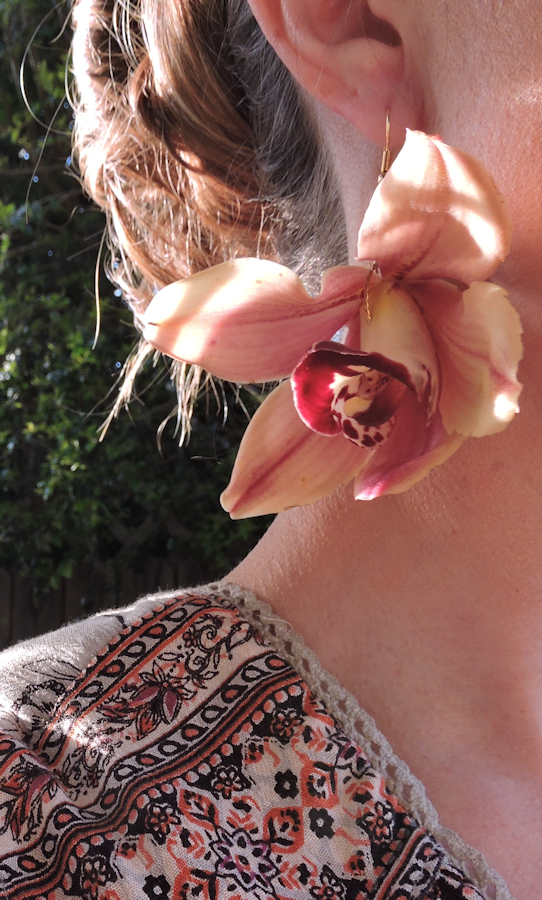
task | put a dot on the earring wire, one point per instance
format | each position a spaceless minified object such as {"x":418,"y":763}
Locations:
{"x":386,"y":153}
{"x":384,"y":166}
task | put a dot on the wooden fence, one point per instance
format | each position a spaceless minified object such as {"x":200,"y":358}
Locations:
{"x":24,"y":614}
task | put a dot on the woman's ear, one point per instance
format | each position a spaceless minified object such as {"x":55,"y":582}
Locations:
{"x":351,"y":56}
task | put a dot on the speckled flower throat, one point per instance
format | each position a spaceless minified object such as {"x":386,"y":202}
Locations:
{"x":353,"y":397}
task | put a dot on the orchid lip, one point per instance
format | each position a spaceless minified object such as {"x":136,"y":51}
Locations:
{"x":338,"y":389}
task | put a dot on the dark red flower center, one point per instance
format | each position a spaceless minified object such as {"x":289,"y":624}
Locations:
{"x":339,"y":389}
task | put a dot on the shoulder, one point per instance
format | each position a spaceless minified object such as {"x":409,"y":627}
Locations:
{"x":189,"y":758}
{"x":36,"y":674}
{"x":41,"y":669}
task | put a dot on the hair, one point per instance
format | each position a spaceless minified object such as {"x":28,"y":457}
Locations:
{"x":198,"y":144}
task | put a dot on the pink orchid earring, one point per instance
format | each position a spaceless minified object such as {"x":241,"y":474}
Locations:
{"x":430,"y":355}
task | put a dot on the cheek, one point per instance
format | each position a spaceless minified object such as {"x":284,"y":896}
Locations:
{"x":480,"y":62}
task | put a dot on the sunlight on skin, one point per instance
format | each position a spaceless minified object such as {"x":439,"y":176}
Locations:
{"x":504,"y":409}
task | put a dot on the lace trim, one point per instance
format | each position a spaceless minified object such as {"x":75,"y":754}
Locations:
{"x":358,"y":724}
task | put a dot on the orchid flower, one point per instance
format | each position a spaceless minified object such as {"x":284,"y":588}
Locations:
{"x":429,"y":358}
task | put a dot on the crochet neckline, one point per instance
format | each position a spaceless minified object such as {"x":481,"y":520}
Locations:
{"x":361,"y":727}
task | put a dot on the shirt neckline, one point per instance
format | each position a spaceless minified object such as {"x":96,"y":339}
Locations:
{"x":359,"y":726}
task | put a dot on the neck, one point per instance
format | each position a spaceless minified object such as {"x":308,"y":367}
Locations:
{"x":427,"y":606}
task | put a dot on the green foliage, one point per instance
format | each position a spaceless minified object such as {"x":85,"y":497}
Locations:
{"x":65,"y":498}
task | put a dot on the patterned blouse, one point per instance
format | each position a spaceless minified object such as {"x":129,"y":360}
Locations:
{"x":199,"y":756}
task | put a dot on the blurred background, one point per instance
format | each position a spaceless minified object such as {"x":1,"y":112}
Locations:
{"x":85,"y":525}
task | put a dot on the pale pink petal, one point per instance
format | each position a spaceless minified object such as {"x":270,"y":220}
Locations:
{"x":477,"y":335}
{"x":281,"y":463}
{"x":436,"y":214}
{"x":249,"y":320}
{"x":412,"y":450}
{"x":397,"y":331}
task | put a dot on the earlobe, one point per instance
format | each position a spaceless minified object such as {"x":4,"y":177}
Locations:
{"x":351,"y":56}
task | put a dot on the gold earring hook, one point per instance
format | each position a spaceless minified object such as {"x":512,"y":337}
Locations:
{"x":366,"y":290}
{"x":384,"y":166}
{"x":386,"y":153}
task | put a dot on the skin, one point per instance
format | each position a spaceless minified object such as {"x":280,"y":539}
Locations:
{"x":428,"y":606}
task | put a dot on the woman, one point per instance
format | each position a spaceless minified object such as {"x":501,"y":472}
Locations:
{"x":423,"y":605}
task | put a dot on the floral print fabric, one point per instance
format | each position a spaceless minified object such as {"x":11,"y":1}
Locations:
{"x":190,"y":761}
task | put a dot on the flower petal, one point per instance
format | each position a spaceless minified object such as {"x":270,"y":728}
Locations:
{"x":412,"y":450}
{"x":313,"y":383}
{"x":397,"y":330}
{"x":281,"y":463}
{"x":436,"y":214}
{"x":249,"y":320}
{"x":477,"y":335}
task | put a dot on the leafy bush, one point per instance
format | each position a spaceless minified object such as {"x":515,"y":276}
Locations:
{"x":65,"y":498}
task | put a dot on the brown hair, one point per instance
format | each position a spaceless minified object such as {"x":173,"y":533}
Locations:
{"x":196,"y":141}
